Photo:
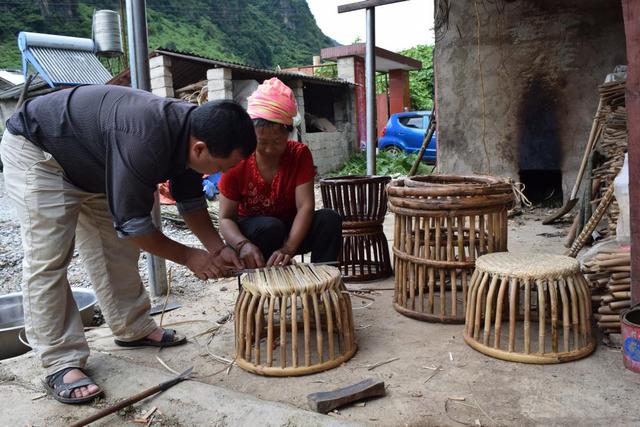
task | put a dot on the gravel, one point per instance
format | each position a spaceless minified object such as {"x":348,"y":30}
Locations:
{"x":183,"y":283}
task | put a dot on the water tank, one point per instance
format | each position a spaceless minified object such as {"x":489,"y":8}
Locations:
{"x":107,"y":33}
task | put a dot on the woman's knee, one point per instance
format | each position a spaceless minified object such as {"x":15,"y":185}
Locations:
{"x":329,"y":221}
{"x":263,"y":228}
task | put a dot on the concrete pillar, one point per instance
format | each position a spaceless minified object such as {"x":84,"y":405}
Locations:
{"x":219,"y":83}
{"x":631,"y":11}
{"x":351,"y":69}
{"x":298,"y":92}
{"x":399,"y":99}
{"x":161,"y":76}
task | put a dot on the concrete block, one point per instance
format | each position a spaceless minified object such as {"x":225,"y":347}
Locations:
{"x":166,"y":92}
{"x":220,"y":94}
{"x":347,"y":69}
{"x":162,"y":81}
{"x":159,"y":61}
{"x":219,"y":74}
{"x":219,"y":84}
{"x":160,"y":72}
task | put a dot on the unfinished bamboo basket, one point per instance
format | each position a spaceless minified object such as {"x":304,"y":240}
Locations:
{"x":443,"y":223}
{"x":293,"y":320}
{"x":361,"y":201}
{"x":529,"y":308}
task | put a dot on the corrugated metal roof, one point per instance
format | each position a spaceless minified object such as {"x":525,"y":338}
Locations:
{"x":64,"y":66}
{"x":249,"y":69}
{"x":35,"y":88}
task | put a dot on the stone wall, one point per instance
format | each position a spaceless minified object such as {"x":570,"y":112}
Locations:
{"x":534,"y":101}
{"x":330,"y":150}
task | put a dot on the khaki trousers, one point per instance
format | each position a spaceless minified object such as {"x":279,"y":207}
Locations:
{"x":54,"y":214}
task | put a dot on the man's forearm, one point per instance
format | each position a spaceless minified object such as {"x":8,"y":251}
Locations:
{"x":199,"y":222}
{"x":160,"y":245}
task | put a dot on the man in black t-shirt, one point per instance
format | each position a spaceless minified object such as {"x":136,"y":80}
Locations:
{"x":81,"y":166}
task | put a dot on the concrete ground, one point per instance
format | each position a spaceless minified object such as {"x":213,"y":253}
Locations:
{"x":470,"y":389}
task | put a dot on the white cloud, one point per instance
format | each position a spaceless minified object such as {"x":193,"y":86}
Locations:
{"x":398,"y":26}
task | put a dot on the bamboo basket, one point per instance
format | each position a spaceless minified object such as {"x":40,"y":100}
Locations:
{"x":293,"y":320}
{"x":361,"y":201}
{"x":443,"y":223}
{"x":529,"y":308}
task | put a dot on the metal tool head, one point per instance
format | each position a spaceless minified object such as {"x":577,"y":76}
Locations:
{"x":186,"y":374}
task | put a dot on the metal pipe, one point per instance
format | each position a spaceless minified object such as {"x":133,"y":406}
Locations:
{"x":140,"y":79}
{"x":370,"y":84}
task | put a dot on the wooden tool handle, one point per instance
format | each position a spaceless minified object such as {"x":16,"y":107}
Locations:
{"x":324,"y":402}
{"x":123,"y":404}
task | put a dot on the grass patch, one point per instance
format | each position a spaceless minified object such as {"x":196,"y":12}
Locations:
{"x":386,"y":164}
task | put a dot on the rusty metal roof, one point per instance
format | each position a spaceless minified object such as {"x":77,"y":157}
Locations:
{"x":246,"y":69}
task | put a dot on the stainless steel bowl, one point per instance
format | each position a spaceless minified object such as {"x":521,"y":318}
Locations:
{"x":12,"y":319}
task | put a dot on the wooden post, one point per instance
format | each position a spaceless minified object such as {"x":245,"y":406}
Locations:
{"x":631,"y":11}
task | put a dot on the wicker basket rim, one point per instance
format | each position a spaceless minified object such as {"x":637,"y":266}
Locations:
{"x":529,"y":266}
{"x":298,"y":278}
{"x":350,"y":179}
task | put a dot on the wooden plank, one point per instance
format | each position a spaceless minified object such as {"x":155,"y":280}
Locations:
{"x":350,"y":7}
{"x":327,"y":401}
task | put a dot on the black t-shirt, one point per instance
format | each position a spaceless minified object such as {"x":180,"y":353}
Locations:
{"x":118,"y":141}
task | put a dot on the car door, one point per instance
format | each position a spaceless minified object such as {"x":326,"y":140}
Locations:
{"x":430,"y":152}
{"x":412,"y":131}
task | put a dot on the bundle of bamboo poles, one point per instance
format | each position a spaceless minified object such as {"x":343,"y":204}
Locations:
{"x":609,"y":274}
{"x":611,"y":146}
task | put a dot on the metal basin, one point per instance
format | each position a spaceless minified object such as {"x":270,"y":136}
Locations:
{"x":12,"y":319}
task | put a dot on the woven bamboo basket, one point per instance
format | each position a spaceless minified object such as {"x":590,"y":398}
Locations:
{"x":361,"y":201}
{"x":293,"y":320}
{"x":530,"y":308}
{"x":443,"y":224}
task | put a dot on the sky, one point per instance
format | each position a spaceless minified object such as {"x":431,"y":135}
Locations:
{"x":398,"y":26}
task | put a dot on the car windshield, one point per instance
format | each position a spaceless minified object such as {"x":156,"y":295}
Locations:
{"x":411,"y":122}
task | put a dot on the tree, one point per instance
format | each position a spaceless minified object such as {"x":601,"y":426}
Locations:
{"x":421,"y":86}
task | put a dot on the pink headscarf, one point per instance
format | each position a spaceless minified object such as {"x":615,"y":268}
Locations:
{"x":273,"y":101}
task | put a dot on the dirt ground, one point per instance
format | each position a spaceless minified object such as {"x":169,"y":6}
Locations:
{"x":467,"y":389}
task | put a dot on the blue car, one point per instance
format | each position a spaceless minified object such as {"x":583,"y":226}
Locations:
{"x":405,"y":132}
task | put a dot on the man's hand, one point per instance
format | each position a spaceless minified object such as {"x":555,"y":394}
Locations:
{"x":230,"y":259}
{"x":203,"y":265}
{"x":251,"y":255}
{"x":280,"y":257}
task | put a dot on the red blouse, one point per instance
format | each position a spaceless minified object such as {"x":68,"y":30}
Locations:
{"x":244,"y":184}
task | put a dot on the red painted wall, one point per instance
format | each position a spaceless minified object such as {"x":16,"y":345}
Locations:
{"x":361,"y":101}
{"x":382,"y":112}
{"x":631,"y":10}
{"x":399,"y":99}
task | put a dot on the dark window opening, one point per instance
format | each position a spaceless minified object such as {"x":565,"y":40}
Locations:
{"x":319,"y":108}
{"x":415,"y":122}
{"x":543,"y":187}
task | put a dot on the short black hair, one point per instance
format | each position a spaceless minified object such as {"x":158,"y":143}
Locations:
{"x":224,"y":126}
{"x":264,"y":123}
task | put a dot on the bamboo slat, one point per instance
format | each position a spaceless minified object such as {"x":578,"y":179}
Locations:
{"x":361,"y":201}
{"x":548,"y":318}
{"x":299,"y":316}
{"x":443,"y":223}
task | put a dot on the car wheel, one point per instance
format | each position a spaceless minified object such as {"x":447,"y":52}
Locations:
{"x":393,"y":150}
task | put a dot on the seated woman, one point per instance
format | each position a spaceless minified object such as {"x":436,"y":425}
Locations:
{"x":267,"y":203}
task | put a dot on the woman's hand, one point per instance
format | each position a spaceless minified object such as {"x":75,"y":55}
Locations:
{"x":281,"y":257}
{"x":251,"y":255}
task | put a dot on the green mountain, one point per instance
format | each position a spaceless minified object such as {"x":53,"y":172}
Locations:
{"x":263,"y":33}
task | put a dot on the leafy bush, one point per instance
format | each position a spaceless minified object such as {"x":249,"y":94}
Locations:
{"x":386,"y":164}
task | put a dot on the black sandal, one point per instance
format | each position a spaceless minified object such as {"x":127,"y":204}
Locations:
{"x":168,"y":340}
{"x":60,"y":391}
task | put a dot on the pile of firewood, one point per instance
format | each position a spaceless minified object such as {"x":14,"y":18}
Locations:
{"x":611,"y":144}
{"x":609,"y":274}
